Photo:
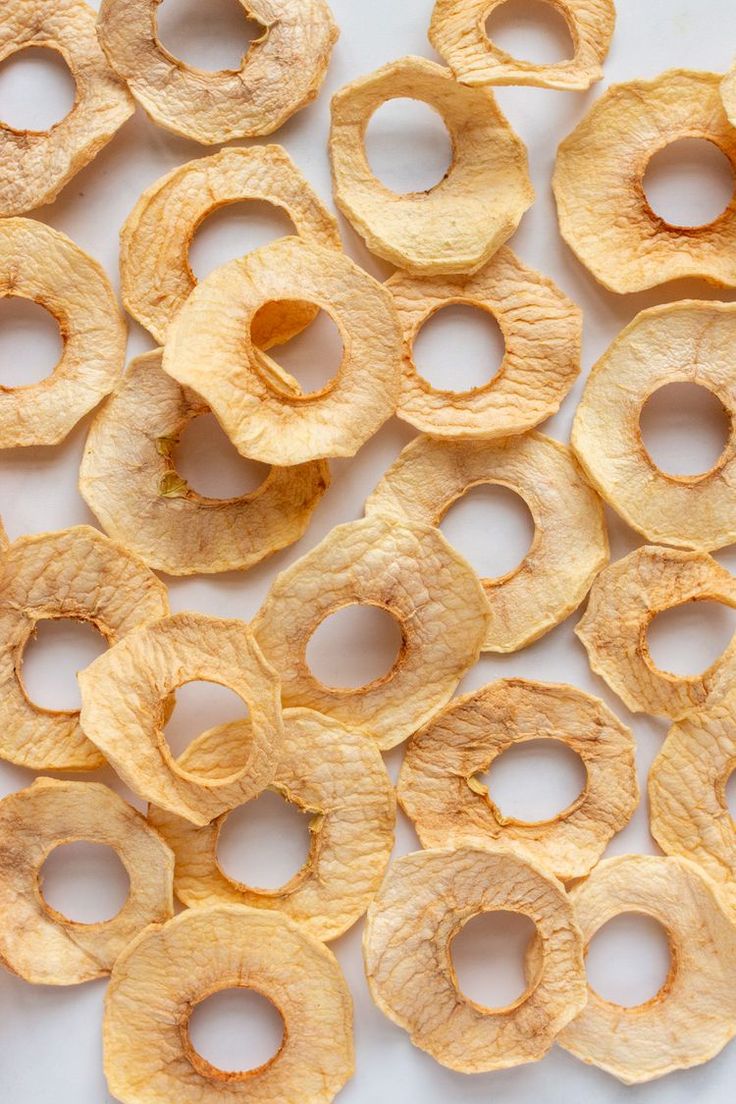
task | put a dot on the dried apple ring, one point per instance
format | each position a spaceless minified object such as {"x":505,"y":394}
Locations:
{"x":154,"y":256}
{"x":280,"y":73}
{"x":211,"y":349}
{"x":603,"y":211}
{"x":124,"y":698}
{"x":129,"y":481}
{"x":40,"y":944}
{"x":410,"y":571}
{"x":334,"y":773}
{"x":570,"y":543}
{"x":460,"y":223}
{"x":424,"y":902}
{"x":37,"y":164}
{"x":439,"y":788}
{"x":77,"y":574}
{"x":170,"y":968}
{"x":728,"y":94}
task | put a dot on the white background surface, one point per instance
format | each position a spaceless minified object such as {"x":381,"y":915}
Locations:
{"x":50,"y":1039}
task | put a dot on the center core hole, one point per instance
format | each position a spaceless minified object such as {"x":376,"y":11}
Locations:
{"x":207,"y":460}
{"x":235,"y":230}
{"x":354,"y":647}
{"x":236,"y":1030}
{"x":214,"y":36}
{"x":30,"y":342}
{"x":488,"y":956}
{"x":531,"y":30}
{"x":492,"y":527}
{"x":629,"y":959}
{"x":201,"y":705}
{"x":689,"y":183}
{"x":459,"y":326}
{"x":51,"y":660}
{"x":85,"y":882}
{"x":313,"y":358}
{"x":408,"y":146}
{"x":37,"y":89}
{"x":687,"y":639}
{"x":246,"y":848}
{"x":536,"y":781}
{"x":685,"y":429}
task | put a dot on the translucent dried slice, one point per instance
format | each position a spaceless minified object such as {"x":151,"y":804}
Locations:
{"x":37,"y":164}
{"x":124,"y":709}
{"x":129,"y":481}
{"x":334,"y":773}
{"x":410,"y":571}
{"x":688,"y":342}
{"x":694,"y":1014}
{"x":625,"y":599}
{"x":570,"y":544}
{"x":458,"y":34}
{"x":460,"y":223}
{"x":43,"y":265}
{"x":424,"y":902}
{"x":78,"y":574}
{"x":603,"y":211}
{"x":728,"y":94}
{"x":37,"y":942}
{"x":155,"y":240}
{"x":280,"y":73}
{"x":440,"y":790}
{"x":210,"y":348}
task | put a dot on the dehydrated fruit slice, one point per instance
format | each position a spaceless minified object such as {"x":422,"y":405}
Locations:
{"x":440,"y":790}
{"x":425,"y":900}
{"x":169,"y":969}
{"x":694,"y":1014}
{"x":728,"y":94}
{"x":211,"y":349}
{"x":37,"y":942}
{"x":41,"y":264}
{"x":280,"y":73}
{"x":410,"y":571}
{"x":128,"y":479}
{"x":625,"y":599}
{"x":334,"y":773}
{"x":460,"y":223}
{"x":78,"y":574}
{"x":689,"y":342}
{"x":155,"y":240}
{"x":37,"y":164}
{"x":603,"y":211}
{"x":570,"y":544}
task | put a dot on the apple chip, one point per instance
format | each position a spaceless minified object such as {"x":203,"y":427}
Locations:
{"x":170,"y":969}
{"x":411,"y":572}
{"x":124,"y":710}
{"x":570,"y":544}
{"x":460,"y":223}
{"x":37,"y":942}
{"x":603,"y":210}
{"x":728,"y":94}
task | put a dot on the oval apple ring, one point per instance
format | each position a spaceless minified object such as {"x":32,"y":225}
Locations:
{"x":154,"y":242}
{"x":460,"y":223}
{"x":37,"y":164}
{"x":124,"y":695}
{"x":280,"y":73}
{"x":260,"y":407}
{"x":570,"y":542}
{"x":40,"y":944}
{"x":603,"y":211}
{"x":439,"y":788}
{"x":410,"y":571}
{"x":129,"y":481}
{"x":164,"y":973}
{"x":41,"y":264}
{"x":77,"y":574}
{"x":335,"y":774}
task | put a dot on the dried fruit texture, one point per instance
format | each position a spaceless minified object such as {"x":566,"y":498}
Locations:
{"x":211,"y":349}
{"x":171,"y":968}
{"x":76,"y":574}
{"x":412,"y":573}
{"x":129,"y":480}
{"x":459,"y":224}
{"x":689,"y":342}
{"x":570,"y":544}
{"x":334,"y":774}
{"x":155,"y":240}
{"x":37,"y":942}
{"x":424,"y":902}
{"x":440,"y":790}
{"x":728,"y":94}
{"x":625,"y":599}
{"x":37,"y":164}
{"x":458,"y":33}
{"x":694,"y":1014}
{"x":124,"y":700}
{"x":41,"y":264}
{"x":603,"y":211}
{"x":281,"y":72}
